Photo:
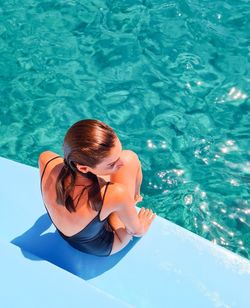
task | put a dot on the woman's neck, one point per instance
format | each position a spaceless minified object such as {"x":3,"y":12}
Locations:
{"x":80,"y":181}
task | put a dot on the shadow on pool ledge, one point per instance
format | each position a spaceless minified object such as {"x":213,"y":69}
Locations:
{"x":37,"y":245}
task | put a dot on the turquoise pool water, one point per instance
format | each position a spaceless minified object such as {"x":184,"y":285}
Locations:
{"x":172,"y":79}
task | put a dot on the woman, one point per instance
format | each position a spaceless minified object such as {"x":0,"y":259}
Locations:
{"x":90,"y":194}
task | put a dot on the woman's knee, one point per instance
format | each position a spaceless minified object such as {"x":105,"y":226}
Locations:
{"x":130,"y":159}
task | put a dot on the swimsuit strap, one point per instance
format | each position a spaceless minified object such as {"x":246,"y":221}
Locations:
{"x":105,"y":192}
{"x":45,"y":169}
{"x":103,"y":198}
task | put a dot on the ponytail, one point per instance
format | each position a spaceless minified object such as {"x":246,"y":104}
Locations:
{"x":94,"y":193}
{"x":63,"y":194}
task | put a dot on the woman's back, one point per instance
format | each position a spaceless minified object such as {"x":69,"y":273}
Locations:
{"x":96,"y":237}
{"x":67,"y":223}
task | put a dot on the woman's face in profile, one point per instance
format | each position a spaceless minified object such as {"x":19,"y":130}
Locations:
{"x":111,"y":163}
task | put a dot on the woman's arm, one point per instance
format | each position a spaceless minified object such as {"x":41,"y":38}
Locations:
{"x":136,"y":224}
{"x":138,"y":184}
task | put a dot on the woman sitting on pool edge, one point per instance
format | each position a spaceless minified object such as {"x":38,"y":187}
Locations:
{"x":90,"y":195}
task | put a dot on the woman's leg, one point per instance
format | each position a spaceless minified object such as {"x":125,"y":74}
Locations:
{"x":121,"y":237}
{"x":129,"y":174}
{"x":138,"y":181}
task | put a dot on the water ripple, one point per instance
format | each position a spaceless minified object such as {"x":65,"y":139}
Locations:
{"x":172,"y":79}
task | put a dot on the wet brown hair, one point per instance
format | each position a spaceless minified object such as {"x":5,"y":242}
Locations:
{"x":87,"y":142}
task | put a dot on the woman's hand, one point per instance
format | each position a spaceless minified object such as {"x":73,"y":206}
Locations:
{"x":145,"y":216}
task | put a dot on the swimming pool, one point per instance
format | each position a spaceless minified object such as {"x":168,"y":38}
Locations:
{"x":171,"y":78}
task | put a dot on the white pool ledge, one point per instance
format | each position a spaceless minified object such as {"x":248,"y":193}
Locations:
{"x":169,"y":267}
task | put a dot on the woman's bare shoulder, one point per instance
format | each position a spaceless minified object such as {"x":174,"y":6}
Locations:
{"x":45,"y":156}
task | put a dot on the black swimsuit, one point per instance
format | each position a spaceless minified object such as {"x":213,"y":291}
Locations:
{"x":96,"y":238}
